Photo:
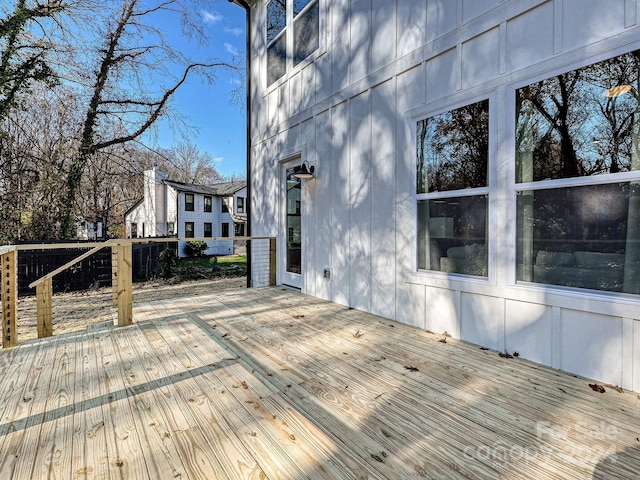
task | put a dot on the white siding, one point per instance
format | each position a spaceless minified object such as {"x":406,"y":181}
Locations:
{"x":351,"y":112}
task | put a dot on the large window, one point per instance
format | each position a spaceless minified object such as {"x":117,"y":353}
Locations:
{"x":452,"y":190}
{"x":578,"y":178}
{"x":295,"y":21}
{"x":208,"y":204}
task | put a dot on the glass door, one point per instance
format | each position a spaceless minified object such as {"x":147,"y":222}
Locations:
{"x":291,"y":237}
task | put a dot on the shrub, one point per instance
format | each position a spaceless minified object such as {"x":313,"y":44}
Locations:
{"x":195,"y":248}
{"x":168,"y":260}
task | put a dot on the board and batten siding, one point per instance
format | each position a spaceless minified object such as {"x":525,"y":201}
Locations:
{"x":351,"y":111}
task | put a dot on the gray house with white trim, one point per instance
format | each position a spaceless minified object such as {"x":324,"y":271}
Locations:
{"x":185,"y":210}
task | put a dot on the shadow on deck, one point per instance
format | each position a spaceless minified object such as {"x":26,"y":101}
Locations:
{"x":269,"y":383}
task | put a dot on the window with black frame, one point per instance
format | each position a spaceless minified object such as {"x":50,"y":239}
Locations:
{"x":578,"y":178}
{"x":452,"y":190}
{"x":189,"y":202}
{"x":189,"y":230}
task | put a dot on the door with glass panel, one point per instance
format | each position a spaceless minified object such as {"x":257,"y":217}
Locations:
{"x":291,"y":233}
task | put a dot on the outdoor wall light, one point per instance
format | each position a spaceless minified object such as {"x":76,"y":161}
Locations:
{"x":304,"y":170}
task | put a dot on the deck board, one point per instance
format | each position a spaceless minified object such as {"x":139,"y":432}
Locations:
{"x":25,"y":409}
{"x":269,"y":383}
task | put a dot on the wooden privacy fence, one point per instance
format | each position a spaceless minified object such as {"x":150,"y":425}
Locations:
{"x":121,"y":280}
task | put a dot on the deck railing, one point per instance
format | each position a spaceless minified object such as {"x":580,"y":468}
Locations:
{"x":121,"y":279}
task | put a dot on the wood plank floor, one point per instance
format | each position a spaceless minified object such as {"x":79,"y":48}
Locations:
{"x":269,"y":383}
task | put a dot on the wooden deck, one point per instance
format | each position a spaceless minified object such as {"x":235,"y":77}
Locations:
{"x":269,"y":383}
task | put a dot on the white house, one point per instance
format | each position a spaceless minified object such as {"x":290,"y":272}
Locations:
{"x":170,"y":208}
{"x":476,"y":167}
{"x":89,"y":229}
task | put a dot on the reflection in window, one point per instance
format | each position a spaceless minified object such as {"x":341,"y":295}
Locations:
{"x":277,"y":59}
{"x":298,"y":6}
{"x":307,"y":35}
{"x":579,"y":123}
{"x":276,"y":18}
{"x":583,"y":123}
{"x":305,"y":31}
{"x":452,"y":155}
{"x":453,"y":149}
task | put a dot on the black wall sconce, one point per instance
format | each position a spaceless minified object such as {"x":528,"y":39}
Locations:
{"x":304,"y":170}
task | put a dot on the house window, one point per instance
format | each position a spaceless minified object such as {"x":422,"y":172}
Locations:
{"x":188,"y":230}
{"x":578,"y":180}
{"x":239,"y":230}
{"x":208,"y":230}
{"x":295,"y":21}
{"x":188,"y":202}
{"x":225,"y":205}
{"x":207,"y":204}
{"x":240,"y":203}
{"x":134,"y":230}
{"x":170,"y":228}
{"x":225,"y":229}
{"x":452,"y":190}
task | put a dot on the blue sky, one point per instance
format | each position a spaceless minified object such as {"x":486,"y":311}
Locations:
{"x":221,"y":125}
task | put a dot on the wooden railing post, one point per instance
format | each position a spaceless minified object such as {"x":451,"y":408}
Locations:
{"x":125,"y":274}
{"x":44,"y":293}
{"x":272,"y":261}
{"x":9,"y":296}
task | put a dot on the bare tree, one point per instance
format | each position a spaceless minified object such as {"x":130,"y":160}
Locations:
{"x":75,"y":146}
{"x":23,"y":56}
{"x":185,"y":162}
{"x":136,"y":74}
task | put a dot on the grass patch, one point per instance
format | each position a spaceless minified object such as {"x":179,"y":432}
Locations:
{"x":224,"y":261}
{"x":193,"y":268}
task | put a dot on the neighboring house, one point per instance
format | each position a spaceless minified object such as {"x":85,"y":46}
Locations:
{"x":476,"y":167}
{"x":90,"y":229}
{"x":170,"y":208}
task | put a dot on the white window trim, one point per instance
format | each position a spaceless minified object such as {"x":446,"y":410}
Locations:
{"x":492,"y":190}
{"x":292,"y":69}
